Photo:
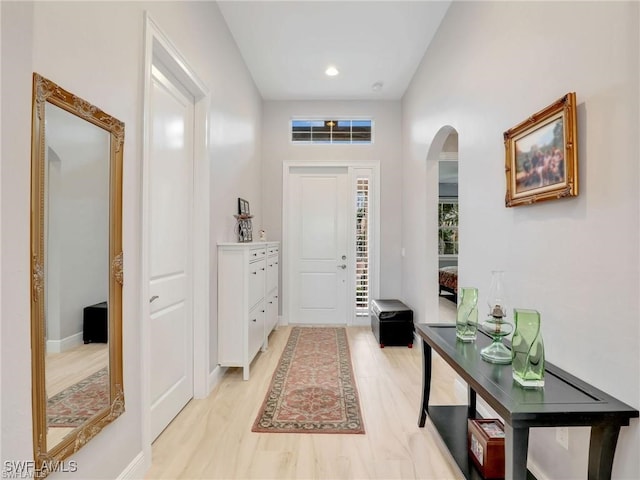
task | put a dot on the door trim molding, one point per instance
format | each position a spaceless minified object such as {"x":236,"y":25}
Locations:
{"x":352,"y":168}
{"x":158,"y":48}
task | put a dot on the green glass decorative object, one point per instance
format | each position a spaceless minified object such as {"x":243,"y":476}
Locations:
{"x":467,"y":315}
{"x":496,"y":326}
{"x":527,"y":349}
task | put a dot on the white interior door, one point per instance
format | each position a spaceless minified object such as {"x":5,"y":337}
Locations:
{"x":170,"y":278}
{"x":319,"y":246}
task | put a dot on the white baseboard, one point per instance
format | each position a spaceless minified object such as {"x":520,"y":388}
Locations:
{"x":362,"y":321}
{"x":215,"y":378}
{"x":136,"y":470}
{"x":67,"y":343}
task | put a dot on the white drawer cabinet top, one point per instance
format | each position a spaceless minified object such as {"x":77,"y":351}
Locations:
{"x":248,"y":245}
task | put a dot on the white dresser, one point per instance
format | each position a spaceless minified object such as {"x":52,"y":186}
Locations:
{"x":247,"y":300}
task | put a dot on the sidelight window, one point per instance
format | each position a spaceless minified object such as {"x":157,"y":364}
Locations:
{"x":362,"y":246}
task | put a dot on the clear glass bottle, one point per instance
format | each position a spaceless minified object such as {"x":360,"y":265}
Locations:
{"x":527,"y":349}
{"x":467,"y":314}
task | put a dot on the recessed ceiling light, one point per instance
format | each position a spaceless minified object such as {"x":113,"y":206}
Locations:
{"x":376,"y":87}
{"x":332,"y":71}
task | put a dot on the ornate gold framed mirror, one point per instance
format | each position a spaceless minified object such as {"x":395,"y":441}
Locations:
{"x":76,"y":272}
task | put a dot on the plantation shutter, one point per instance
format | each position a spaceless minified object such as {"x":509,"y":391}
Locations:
{"x":362,"y":245}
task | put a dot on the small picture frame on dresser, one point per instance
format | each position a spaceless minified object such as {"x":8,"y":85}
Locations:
{"x":242,"y":206}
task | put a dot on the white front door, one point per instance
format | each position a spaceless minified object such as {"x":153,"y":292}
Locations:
{"x":319,"y":247}
{"x":170,"y":278}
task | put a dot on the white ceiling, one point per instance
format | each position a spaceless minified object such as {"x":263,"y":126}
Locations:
{"x":287,"y":45}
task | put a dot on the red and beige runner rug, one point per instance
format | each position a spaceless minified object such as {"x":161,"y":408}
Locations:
{"x":313,"y":388}
{"x":76,"y":404}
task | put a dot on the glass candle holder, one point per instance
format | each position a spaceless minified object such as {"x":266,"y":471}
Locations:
{"x":467,"y":314}
{"x":527,"y":349}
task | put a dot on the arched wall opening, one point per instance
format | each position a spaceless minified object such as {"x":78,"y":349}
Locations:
{"x":442,"y":221}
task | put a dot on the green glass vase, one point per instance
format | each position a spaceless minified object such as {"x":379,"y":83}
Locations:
{"x":467,"y":314}
{"x":527,"y":349}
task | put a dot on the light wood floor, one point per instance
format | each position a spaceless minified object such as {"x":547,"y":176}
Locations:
{"x":212,"y":438}
{"x":68,"y":368}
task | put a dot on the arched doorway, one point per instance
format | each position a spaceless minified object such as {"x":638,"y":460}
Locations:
{"x":448,"y":239}
{"x":443,"y":241}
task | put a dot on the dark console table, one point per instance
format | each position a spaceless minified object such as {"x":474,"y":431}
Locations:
{"x":564,"y":401}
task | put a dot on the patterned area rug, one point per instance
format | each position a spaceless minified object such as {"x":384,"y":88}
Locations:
{"x":76,"y":404}
{"x":313,"y":389}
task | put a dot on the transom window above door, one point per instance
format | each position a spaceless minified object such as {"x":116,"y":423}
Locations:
{"x":332,"y":131}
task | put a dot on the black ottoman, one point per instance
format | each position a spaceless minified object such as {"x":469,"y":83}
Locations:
{"x":95,"y":323}
{"x":392,"y":323}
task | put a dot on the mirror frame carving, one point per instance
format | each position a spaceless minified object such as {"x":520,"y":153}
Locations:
{"x":45,"y":90}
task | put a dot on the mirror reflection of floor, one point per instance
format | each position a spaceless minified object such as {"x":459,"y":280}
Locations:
{"x":55,"y":435}
{"x":68,"y":368}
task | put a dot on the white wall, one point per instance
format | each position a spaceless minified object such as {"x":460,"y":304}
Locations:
{"x":95,"y":50}
{"x":15,"y":351}
{"x":1,"y":227}
{"x":575,"y":260}
{"x":386,"y":149}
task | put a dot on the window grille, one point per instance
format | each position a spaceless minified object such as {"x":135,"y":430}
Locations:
{"x":332,"y":131}
{"x":362,"y":246}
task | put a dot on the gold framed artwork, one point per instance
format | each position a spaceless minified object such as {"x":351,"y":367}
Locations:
{"x":542,"y":155}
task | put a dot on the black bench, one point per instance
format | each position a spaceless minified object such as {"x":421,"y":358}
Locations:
{"x":95,"y":323}
{"x":392,"y":323}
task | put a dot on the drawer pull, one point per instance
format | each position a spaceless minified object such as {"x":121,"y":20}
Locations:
{"x":262,"y":269}
{"x":255,"y":254}
{"x":270,"y":303}
{"x":254,"y":273}
{"x":262,"y":311}
{"x":254,"y":320}
{"x":276,"y":263}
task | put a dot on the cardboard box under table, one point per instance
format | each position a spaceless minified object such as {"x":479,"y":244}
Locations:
{"x":486,"y":446}
{"x":392,"y":323}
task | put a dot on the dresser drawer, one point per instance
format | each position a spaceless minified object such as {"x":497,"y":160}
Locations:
{"x":255,"y":329}
{"x":257,"y":253}
{"x":257,"y":272}
{"x":272,"y":273}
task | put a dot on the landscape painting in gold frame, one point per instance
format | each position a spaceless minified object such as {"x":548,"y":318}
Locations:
{"x":542,"y":155}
